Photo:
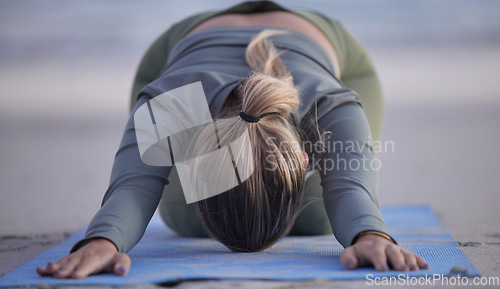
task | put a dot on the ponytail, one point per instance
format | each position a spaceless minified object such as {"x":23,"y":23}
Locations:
{"x":257,"y":213}
{"x":270,"y":88}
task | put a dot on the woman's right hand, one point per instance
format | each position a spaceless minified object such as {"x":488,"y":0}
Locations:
{"x":99,"y":255}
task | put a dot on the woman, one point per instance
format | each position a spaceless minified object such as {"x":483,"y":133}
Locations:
{"x":273,"y":73}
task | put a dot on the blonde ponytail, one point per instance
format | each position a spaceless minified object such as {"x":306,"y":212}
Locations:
{"x":258,"y":212}
{"x":263,"y":57}
{"x":270,"y":88}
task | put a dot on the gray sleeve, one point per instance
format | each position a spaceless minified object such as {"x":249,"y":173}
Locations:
{"x":349,"y":174}
{"x":132,"y":197}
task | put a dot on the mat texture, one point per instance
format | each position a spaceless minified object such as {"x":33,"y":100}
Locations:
{"x":161,"y":256}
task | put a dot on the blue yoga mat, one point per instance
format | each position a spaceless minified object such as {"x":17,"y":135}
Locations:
{"x":162,"y":256}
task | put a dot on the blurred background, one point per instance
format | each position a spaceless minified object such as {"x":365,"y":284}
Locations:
{"x":66,"y":69}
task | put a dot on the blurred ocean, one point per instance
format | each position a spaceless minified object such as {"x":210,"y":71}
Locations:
{"x":66,"y":57}
{"x":32,"y":30}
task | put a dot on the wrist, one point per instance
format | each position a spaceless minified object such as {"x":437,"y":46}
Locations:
{"x":369,"y":234}
{"x":102,"y":242}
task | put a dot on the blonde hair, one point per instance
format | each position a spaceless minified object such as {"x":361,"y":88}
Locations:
{"x":257,"y":213}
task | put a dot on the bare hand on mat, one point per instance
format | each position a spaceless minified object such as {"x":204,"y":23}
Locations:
{"x":99,"y":255}
{"x":379,"y":252}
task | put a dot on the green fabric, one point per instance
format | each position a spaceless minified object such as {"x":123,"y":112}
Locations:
{"x":357,"y":73}
{"x":356,"y":69}
{"x":176,"y":213}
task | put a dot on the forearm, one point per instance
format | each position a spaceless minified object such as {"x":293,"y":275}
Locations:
{"x":349,"y":174}
{"x":131,"y":199}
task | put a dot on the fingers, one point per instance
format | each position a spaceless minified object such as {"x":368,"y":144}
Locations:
{"x":66,"y":266}
{"x":119,"y":264}
{"x":396,"y":257}
{"x":55,"y":268}
{"x":88,"y":266}
{"x":52,"y":268}
{"x":61,"y":269}
{"x":410,"y":259}
{"x":379,"y":259}
{"x":421,"y":262}
{"x":414,"y":261}
{"x":93,"y":258}
{"x":348,"y":258}
{"x":122,"y":264}
{"x":81,"y":267}
{"x":47,"y":270}
{"x":379,"y":252}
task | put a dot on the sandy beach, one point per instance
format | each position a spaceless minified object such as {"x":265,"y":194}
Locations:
{"x":65,"y":103}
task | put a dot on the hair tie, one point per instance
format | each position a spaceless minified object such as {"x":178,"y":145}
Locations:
{"x":249,"y":118}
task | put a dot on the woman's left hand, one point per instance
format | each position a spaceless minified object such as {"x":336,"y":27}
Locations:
{"x":375,"y":250}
